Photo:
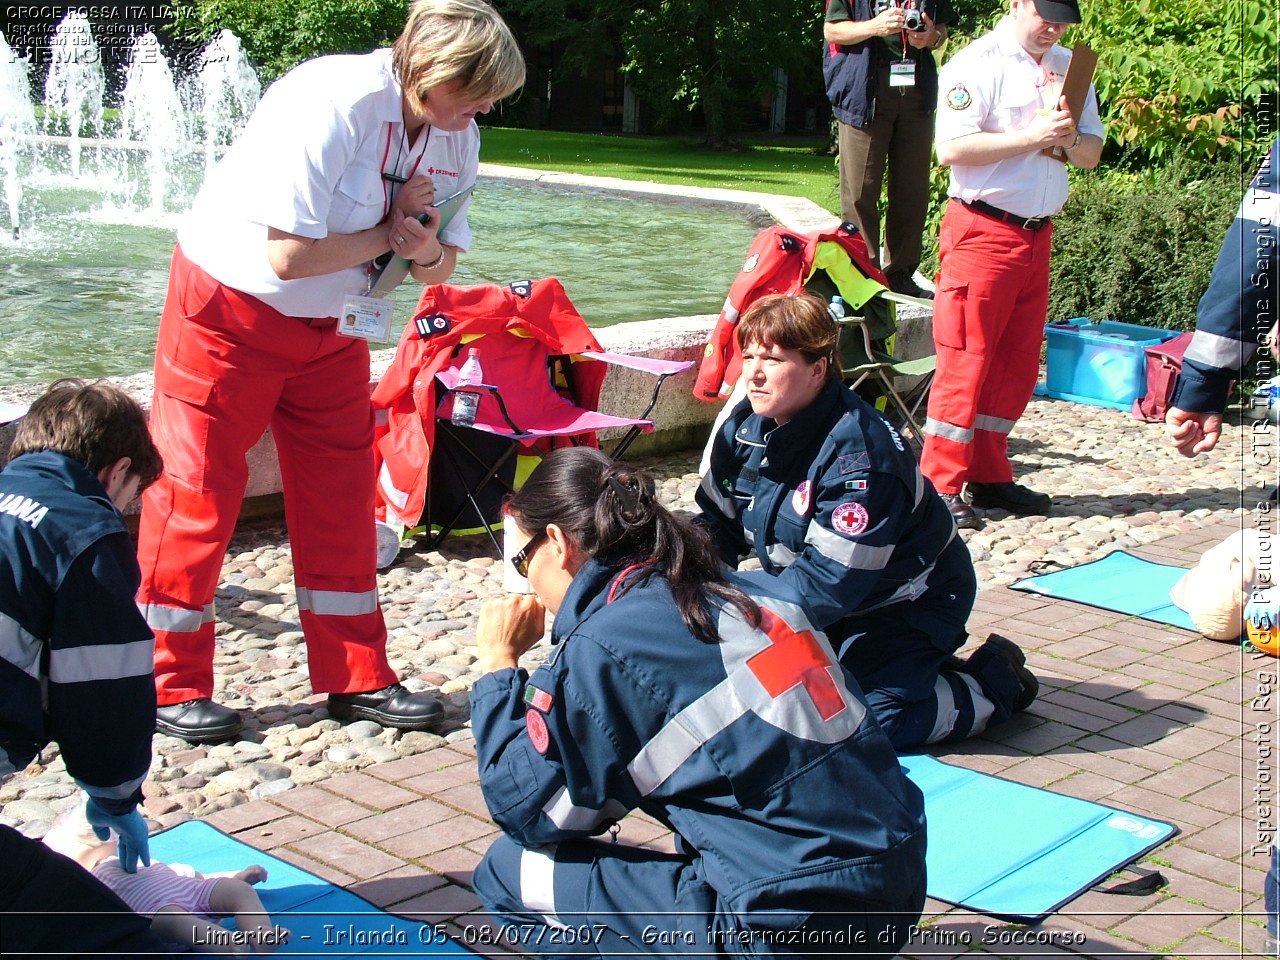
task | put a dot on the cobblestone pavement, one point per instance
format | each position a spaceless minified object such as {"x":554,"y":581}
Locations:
{"x":1142,"y":716}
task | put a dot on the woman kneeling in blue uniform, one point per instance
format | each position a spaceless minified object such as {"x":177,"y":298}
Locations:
{"x":829,"y":497}
{"x":715,"y":707}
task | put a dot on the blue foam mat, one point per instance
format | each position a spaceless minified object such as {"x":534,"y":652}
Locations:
{"x":1019,"y":852}
{"x":995,"y":847}
{"x":323,"y":919}
{"x":1119,"y":582}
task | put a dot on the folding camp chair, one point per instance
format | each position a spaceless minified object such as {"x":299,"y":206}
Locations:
{"x":543,"y":370}
{"x":861,"y":361}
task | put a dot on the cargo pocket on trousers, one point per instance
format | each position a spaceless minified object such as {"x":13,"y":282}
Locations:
{"x":180,"y":420}
{"x":948,"y":322}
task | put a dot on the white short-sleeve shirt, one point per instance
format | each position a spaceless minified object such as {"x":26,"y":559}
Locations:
{"x":993,"y":85}
{"x":310,"y":162}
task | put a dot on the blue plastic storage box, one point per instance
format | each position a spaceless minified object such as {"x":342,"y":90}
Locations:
{"x":1098,"y":363}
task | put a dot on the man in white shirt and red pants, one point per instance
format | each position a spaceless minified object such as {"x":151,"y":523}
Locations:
{"x":1000,"y":106}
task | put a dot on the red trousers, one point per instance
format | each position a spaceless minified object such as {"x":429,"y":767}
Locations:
{"x":227,"y":367}
{"x":988,"y":324}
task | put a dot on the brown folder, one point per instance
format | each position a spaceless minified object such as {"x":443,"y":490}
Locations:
{"x":1075,"y":87}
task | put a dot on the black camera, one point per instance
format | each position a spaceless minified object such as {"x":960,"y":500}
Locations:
{"x":911,"y":10}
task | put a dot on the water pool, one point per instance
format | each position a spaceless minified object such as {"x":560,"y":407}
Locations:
{"x":82,"y":289}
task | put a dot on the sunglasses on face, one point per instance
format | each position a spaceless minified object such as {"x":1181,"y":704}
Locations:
{"x":521,"y":560}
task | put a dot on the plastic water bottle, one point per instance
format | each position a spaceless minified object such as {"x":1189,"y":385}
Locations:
{"x":836,"y":309}
{"x":467,"y":402}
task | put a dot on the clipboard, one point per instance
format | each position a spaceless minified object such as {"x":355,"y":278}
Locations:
{"x":397,"y":268}
{"x":1075,"y":87}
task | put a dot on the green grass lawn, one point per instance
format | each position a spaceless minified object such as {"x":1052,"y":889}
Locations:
{"x":789,"y":166}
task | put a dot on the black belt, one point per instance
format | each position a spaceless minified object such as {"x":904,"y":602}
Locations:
{"x":1004,"y":216}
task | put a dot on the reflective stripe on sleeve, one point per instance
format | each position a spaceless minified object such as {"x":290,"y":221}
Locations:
{"x":121,"y":791}
{"x":567,"y":815}
{"x":1215,"y":351}
{"x":19,"y":647}
{"x":948,"y":431}
{"x":175,"y":619}
{"x":538,"y":883}
{"x":855,"y":556}
{"x":337,"y":603}
{"x":780,"y":555}
{"x":114,"y":661}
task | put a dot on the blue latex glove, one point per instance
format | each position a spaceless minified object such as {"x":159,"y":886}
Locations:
{"x":131,"y":831}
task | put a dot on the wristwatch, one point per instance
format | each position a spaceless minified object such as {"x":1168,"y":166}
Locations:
{"x":1076,"y":142}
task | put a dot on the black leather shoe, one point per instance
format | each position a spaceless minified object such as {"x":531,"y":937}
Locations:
{"x":198,"y":721}
{"x":392,"y":706}
{"x":961,"y":512}
{"x":1000,"y":667}
{"x":905,"y":284}
{"x":1013,"y":497}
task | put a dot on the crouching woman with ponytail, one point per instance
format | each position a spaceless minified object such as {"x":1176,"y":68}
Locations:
{"x":722,"y":714}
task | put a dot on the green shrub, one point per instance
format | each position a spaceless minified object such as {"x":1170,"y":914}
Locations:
{"x":1140,"y":248}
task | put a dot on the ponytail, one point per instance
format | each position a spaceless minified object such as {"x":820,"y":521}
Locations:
{"x":611,"y":511}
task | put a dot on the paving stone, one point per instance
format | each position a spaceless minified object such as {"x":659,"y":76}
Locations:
{"x":349,"y":855}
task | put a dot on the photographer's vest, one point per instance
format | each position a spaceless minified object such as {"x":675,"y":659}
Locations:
{"x":850,"y":73}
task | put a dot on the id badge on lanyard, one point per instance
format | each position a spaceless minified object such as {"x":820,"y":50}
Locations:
{"x":366,"y":318}
{"x":902,"y":73}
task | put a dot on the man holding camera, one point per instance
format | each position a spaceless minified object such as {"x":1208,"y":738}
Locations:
{"x":883,"y":86}
{"x":1005,"y":131}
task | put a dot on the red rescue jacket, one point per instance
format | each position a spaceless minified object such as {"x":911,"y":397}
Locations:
{"x":545,"y":321}
{"x":779,"y":261}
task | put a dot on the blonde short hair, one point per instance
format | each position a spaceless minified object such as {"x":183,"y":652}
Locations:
{"x":457,"y":41}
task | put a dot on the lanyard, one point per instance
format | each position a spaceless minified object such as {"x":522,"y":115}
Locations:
{"x":391,"y":181}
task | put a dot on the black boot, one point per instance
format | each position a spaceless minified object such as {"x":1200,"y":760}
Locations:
{"x":198,"y":721}
{"x":392,"y":706}
{"x":999,"y":666}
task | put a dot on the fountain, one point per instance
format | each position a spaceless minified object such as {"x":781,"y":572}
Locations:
{"x":86,"y":281}
{"x":17,"y":126}
{"x":152,"y":114}
{"x":228,"y":90}
{"x":74,"y":88}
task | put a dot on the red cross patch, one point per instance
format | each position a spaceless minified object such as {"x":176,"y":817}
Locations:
{"x":796,"y":659}
{"x":850,"y":518}
{"x":536,"y":725}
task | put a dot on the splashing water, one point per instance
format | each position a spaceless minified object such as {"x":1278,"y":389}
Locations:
{"x":75,"y":85}
{"x":17,"y":126}
{"x":228,"y":91}
{"x":152,"y":114}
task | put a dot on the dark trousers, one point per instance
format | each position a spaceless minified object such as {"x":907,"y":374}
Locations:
{"x":53,"y":907}
{"x":900,"y":136}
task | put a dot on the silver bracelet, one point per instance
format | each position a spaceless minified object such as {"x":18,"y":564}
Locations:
{"x":434,"y":263}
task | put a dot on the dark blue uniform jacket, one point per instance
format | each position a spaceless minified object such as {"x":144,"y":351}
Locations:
{"x":758,"y":751}
{"x":834,"y":505}
{"x":76,"y":657}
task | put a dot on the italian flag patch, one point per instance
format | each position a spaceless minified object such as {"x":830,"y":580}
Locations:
{"x":538,"y":699}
